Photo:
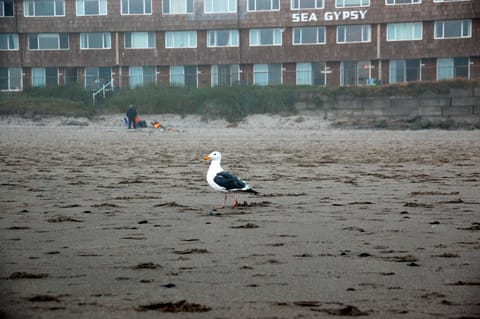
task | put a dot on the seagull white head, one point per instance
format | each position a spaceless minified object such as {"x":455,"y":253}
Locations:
{"x":213,"y":156}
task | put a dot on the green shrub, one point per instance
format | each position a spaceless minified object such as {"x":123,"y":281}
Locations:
{"x":231,"y":103}
{"x":27,"y":105}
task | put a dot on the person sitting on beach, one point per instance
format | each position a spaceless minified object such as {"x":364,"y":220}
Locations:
{"x":131,"y":115}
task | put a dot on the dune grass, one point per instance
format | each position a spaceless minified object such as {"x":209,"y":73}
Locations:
{"x":230,"y":103}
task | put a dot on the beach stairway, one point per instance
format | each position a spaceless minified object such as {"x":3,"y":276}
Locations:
{"x":103,"y":91}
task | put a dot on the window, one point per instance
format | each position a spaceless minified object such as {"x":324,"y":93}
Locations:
{"x":177,"y":6}
{"x":139,"y":40}
{"x":404,"y":31}
{"x":142,"y":75}
{"x":95,"y":77}
{"x":95,"y":40}
{"x":265,"y":37}
{"x":183,"y":75}
{"x":263,"y":5}
{"x":181,"y":39}
{"x":307,"y":4}
{"x":6,"y":8}
{"x":44,"y":8}
{"x":451,"y":68}
{"x":309,"y":35}
{"x":351,"y":3}
{"x":48,"y":41}
{"x":310,"y":73}
{"x":11,"y":79}
{"x":403,"y":1}
{"x":220,"y":6}
{"x":453,"y":29}
{"x":225,"y":74}
{"x":42,"y":77}
{"x":354,"y":73}
{"x":8,"y":41}
{"x":222,"y":38}
{"x":405,"y":70}
{"x":91,"y":7}
{"x":353,"y":33}
{"x":70,"y":75}
{"x":136,"y":6}
{"x":449,"y":0}
{"x":267,"y":74}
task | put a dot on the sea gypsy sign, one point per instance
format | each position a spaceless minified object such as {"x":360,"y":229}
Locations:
{"x":330,"y":16}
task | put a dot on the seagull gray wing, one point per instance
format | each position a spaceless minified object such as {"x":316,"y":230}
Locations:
{"x":229,"y":181}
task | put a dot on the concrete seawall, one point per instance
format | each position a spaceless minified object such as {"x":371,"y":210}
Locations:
{"x":460,"y":105}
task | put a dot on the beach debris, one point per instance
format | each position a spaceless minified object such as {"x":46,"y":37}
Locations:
{"x":474,"y":226}
{"x":361,"y":203}
{"x":354,"y":228}
{"x":137,"y":180}
{"x":401,"y":259}
{"x":465,"y":283}
{"x":307,"y":303}
{"x":447,"y":255}
{"x":18,"y":228}
{"x":179,"y":306}
{"x":191,"y":251}
{"x":148,"y":265}
{"x":122,"y":278}
{"x":342,"y":310}
{"x":134,"y":237}
{"x":168,"y":204}
{"x":52,"y":252}
{"x":111,"y":205}
{"x":70,"y":206}
{"x":432,"y":295}
{"x":246,"y":226}
{"x":26,"y":275}
{"x":44,"y":298}
{"x":415,"y":204}
{"x":351,"y":311}
{"x":62,"y":219}
{"x":304,"y":255}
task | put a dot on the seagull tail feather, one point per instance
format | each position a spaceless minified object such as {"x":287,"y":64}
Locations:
{"x":251,"y":190}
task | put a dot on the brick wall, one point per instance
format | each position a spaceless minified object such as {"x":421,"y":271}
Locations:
{"x":378,"y":16}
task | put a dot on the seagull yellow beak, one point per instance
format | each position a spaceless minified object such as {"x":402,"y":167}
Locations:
{"x":207,"y":158}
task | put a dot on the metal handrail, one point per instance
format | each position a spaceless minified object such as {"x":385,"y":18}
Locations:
{"x":104,"y":87}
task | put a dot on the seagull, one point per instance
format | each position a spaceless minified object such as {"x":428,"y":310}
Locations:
{"x":223,"y":181}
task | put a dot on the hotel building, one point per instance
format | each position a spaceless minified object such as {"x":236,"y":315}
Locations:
{"x":206,"y":43}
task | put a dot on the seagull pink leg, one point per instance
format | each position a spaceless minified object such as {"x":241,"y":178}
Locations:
{"x":224,"y":201}
{"x":235,"y":202}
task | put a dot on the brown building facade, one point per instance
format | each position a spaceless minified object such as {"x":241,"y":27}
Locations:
{"x":203,"y":43}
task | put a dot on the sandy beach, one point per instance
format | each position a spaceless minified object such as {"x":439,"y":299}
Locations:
{"x":98,"y":221}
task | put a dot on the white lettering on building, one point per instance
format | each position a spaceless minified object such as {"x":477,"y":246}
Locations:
{"x":330,"y":16}
{"x":304,"y":17}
